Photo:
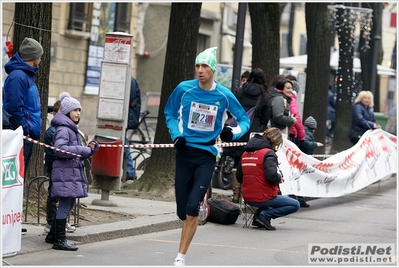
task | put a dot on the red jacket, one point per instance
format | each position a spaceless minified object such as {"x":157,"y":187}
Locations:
{"x":255,"y":187}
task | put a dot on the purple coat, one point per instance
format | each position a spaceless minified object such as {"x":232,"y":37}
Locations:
{"x":67,"y":176}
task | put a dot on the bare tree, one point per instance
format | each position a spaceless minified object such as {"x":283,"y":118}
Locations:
{"x":318,"y":27}
{"x":34,"y":20}
{"x":367,"y":48}
{"x":345,"y":84}
{"x":265,"y":23}
{"x":181,"y":51}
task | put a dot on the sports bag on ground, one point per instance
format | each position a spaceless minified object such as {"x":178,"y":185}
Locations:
{"x":222,"y":211}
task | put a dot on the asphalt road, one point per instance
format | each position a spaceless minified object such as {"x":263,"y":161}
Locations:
{"x":368,"y":216}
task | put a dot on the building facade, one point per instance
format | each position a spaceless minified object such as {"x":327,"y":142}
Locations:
{"x":79,"y":27}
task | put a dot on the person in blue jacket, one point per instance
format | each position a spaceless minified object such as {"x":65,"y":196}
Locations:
{"x":363,"y":117}
{"x":195,"y":115}
{"x":21,"y":95}
{"x":133,"y":120}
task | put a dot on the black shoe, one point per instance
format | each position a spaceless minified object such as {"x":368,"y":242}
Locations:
{"x":303,"y":203}
{"x":265,"y":222}
{"x":62,"y":244}
{"x":257,"y":224}
{"x":23,"y":231}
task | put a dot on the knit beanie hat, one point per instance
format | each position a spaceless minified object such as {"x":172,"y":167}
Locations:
{"x":310,"y":122}
{"x":68,"y":103}
{"x":208,"y":57}
{"x":30,"y":49}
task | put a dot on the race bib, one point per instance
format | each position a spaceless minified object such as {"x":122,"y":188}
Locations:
{"x":202,"y":117}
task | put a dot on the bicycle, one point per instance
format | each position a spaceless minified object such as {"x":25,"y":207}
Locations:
{"x":142,"y":154}
{"x":138,"y":135}
{"x":222,"y":177}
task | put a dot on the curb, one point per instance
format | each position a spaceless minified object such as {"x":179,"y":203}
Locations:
{"x":124,"y":232}
{"x":33,"y":240}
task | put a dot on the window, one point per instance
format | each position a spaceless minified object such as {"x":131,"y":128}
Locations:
{"x":202,"y":42}
{"x":122,"y":17}
{"x":78,"y":17}
{"x":303,"y":45}
{"x":284,"y":45}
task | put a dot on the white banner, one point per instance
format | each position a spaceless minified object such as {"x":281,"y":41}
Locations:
{"x":12,"y":169}
{"x":373,"y":158}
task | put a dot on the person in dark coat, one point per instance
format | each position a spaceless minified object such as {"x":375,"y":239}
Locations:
{"x":331,"y":112}
{"x":68,"y":180}
{"x":363,"y":117}
{"x":133,"y":121}
{"x":253,"y":93}
{"x":260,"y":177}
{"x":280,"y":97}
{"x":309,"y":144}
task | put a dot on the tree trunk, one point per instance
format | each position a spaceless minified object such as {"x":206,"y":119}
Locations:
{"x":318,"y":27}
{"x":366,"y":54}
{"x":181,"y":51}
{"x":34,"y":20}
{"x":265,"y":23}
{"x":345,"y":85}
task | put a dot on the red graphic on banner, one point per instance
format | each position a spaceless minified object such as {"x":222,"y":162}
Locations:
{"x":297,"y":166}
{"x":294,"y":160}
{"x":393,"y":20}
{"x":349,"y":163}
{"x":21,"y":163}
{"x":323,"y":166}
{"x":371,"y":154}
{"x":386,"y":151}
{"x":353,"y":167}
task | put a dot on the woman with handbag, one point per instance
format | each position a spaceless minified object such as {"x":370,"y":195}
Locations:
{"x":362,"y":116}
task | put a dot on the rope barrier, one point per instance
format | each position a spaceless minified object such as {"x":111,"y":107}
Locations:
{"x":141,"y":146}
{"x":51,"y":147}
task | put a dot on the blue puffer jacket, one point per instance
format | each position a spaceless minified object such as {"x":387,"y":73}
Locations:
{"x":362,"y":118}
{"x":21,"y":96}
{"x":133,"y":118}
{"x":67,"y":176}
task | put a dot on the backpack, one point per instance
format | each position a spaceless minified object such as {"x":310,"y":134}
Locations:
{"x":250,"y":114}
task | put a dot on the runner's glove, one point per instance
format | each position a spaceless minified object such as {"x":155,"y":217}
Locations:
{"x":227,"y":134}
{"x":180,"y":142}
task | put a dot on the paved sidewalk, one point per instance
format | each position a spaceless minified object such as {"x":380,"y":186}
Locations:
{"x":150,"y":216}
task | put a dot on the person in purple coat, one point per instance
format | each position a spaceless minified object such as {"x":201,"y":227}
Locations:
{"x":68,"y":180}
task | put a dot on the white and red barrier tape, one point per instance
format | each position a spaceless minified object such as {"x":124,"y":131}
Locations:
{"x":170,"y":145}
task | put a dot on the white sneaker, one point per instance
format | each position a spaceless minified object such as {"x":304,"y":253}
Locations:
{"x":179,"y":263}
{"x":47,"y":228}
{"x":69,"y":228}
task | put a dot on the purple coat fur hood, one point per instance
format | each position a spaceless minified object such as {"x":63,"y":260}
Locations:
{"x":67,"y":176}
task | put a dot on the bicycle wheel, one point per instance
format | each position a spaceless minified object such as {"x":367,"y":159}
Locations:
{"x":143,"y":164}
{"x":224,"y":179}
{"x":137,"y":136}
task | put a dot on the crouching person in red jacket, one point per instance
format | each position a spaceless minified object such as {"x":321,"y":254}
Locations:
{"x":260,"y":177}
